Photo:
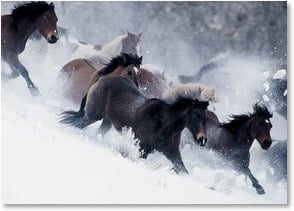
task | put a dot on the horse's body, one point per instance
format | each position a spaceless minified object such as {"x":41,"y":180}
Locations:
{"x":101,"y":54}
{"x":233,"y":140}
{"x":82,"y":73}
{"x":15,"y":31}
{"x":151,"y":84}
{"x":156,"y":123}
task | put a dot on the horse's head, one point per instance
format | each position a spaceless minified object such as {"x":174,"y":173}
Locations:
{"x":130,"y":43}
{"x":131,"y":66}
{"x":196,"y":121}
{"x":260,"y":126}
{"x":46,"y":24}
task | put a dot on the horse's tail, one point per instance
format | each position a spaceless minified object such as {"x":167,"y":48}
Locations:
{"x":74,"y":118}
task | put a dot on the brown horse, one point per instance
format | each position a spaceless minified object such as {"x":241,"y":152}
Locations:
{"x":233,"y":140}
{"x":80,"y":74}
{"x":156,"y":123}
{"x":15,"y":31}
{"x":151,"y":84}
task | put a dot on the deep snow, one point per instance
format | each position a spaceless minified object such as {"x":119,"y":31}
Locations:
{"x":45,"y":162}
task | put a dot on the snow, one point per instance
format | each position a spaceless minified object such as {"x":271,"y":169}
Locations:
{"x":280,"y":74}
{"x":44,"y":162}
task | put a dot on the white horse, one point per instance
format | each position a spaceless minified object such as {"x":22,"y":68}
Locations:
{"x":102,"y":54}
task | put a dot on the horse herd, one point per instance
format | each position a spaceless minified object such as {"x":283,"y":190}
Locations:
{"x":114,"y":88}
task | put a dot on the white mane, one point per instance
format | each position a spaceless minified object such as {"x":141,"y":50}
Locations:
{"x":192,"y":91}
{"x":113,"y":48}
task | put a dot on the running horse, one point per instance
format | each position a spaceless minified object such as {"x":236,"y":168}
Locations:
{"x":15,"y":31}
{"x":84,"y":68}
{"x":78,"y":80}
{"x":233,"y":140}
{"x":156,"y":123}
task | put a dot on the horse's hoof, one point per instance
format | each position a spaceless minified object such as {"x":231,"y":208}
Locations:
{"x":260,"y":191}
{"x":35,"y":91}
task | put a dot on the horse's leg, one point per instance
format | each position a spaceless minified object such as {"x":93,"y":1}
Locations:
{"x":171,"y":151}
{"x":104,"y":127}
{"x":16,"y":66}
{"x":254,"y":181}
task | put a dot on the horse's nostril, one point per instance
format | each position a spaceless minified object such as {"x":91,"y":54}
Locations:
{"x":201,"y":141}
{"x":53,"y":39}
{"x":266,"y":144}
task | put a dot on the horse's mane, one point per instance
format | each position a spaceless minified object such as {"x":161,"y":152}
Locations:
{"x":31,"y":9}
{"x":239,"y":120}
{"x":192,"y":91}
{"x":121,"y":60}
{"x":113,"y":48}
{"x":183,"y":102}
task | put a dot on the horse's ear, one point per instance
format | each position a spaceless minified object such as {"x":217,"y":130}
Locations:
{"x":128,"y":33}
{"x":139,"y":35}
{"x":51,"y":5}
{"x":140,"y":59}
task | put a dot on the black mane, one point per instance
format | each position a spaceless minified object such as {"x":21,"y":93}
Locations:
{"x":239,"y":120}
{"x":31,"y":9}
{"x":182,"y":102}
{"x":121,"y":60}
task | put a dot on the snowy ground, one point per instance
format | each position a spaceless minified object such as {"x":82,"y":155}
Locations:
{"x":45,"y":162}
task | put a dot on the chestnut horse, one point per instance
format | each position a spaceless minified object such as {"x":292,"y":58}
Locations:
{"x":80,"y":74}
{"x":15,"y":31}
{"x":233,"y":140}
{"x":156,"y":123}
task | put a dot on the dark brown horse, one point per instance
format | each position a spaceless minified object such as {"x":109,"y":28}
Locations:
{"x":15,"y":31}
{"x":157,"y":124}
{"x":233,"y":139}
{"x":80,"y":74}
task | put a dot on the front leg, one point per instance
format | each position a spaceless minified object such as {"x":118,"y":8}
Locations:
{"x":17,"y":67}
{"x":171,"y":150}
{"x":255,"y":183}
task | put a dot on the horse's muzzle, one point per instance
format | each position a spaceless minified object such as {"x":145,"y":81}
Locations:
{"x":266,"y":144}
{"x":52,"y":38}
{"x":201,"y":139}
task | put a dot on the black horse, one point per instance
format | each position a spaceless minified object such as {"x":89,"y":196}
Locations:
{"x":15,"y":31}
{"x":233,"y":140}
{"x":157,"y":124}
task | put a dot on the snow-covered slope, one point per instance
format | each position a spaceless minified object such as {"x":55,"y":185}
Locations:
{"x":46,"y":162}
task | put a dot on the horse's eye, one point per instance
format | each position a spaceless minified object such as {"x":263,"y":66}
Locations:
{"x":129,"y":72}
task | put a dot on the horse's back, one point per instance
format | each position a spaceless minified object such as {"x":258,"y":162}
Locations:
{"x":118,"y":97}
{"x":77,"y":76}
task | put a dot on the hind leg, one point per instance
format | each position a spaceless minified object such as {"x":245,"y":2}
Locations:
{"x":104,"y":127}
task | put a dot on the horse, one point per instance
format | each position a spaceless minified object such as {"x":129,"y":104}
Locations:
{"x":101,"y":54}
{"x":232,"y":140}
{"x":80,"y":75}
{"x":15,"y":31}
{"x":156,"y":123}
{"x":151,"y":84}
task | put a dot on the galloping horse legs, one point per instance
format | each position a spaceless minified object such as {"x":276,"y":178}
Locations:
{"x":104,"y":127}
{"x":255,"y":183}
{"x":16,"y":68}
{"x":172,"y":152}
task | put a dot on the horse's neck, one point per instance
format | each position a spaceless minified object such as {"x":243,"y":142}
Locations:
{"x":24,"y":28}
{"x":113,"y":48}
{"x":242,"y":137}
